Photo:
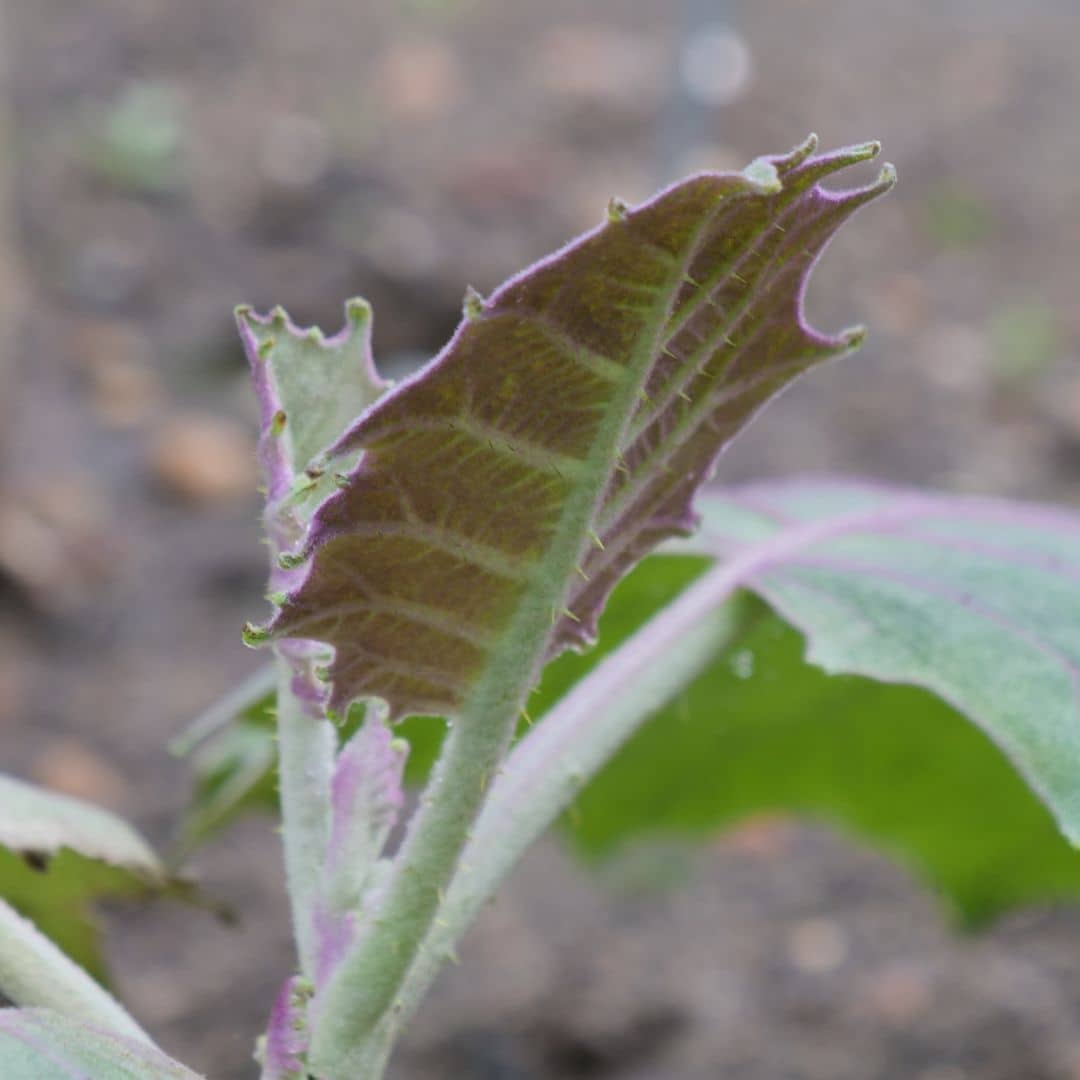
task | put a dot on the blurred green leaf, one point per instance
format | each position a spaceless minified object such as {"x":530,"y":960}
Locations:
{"x":763,"y":730}
{"x":1026,"y":340}
{"x":58,"y":854}
{"x":37,"y":1044}
{"x":135,"y":143}
{"x":234,"y":772}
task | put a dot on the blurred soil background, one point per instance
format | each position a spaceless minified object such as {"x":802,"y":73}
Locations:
{"x":166,"y":160}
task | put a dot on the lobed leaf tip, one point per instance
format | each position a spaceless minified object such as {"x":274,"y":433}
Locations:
{"x":288,"y":561}
{"x":278,"y":422}
{"x":264,"y":347}
{"x":472,"y":306}
{"x":763,"y":177}
{"x":255,"y":637}
{"x":279,"y":318}
{"x":798,"y":154}
{"x":886,"y":179}
{"x":314,"y":336}
{"x":358,"y":312}
{"x":818,"y":168}
{"x":853,"y":337}
{"x":616,"y":210}
{"x":277,"y":598}
{"x":866,"y":151}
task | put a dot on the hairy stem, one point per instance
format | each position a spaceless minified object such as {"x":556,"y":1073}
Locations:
{"x":585,"y":729}
{"x":369,"y":978}
{"x":365,"y":987}
{"x":306,"y":752}
{"x":34,"y":973}
{"x":574,"y":741}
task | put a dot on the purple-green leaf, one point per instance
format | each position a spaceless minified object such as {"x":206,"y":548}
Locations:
{"x":562,"y":434}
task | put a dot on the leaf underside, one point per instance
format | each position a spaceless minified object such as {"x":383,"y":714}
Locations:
{"x":37,"y":1044}
{"x":581,"y":406}
{"x":977,"y":600}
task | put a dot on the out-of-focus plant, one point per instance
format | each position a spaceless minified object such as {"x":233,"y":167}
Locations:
{"x":439,"y":546}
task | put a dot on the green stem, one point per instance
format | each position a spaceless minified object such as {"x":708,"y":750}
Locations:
{"x":306,"y":755}
{"x":365,"y":985}
{"x":562,"y":753}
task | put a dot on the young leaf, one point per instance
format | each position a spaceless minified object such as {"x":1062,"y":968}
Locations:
{"x":366,"y":798}
{"x":281,"y":1050}
{"x":58,"y":853}
{"x":560,"y":436}
{"x":36,"y":1044}
{"x":500,"y":494}
{"x":310,"y":388}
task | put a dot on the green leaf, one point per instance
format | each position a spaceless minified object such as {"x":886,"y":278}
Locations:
{"x":57,"y":854}
{"x":36,"y":1044}
{"x":234,"y":773}
{"x":764,"y":730}
{"x":968,"y":606}
{"x":977,"y":600}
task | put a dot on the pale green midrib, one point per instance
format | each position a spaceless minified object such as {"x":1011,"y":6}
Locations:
{"x":554,"y":574}
{"x":487,"y":719}
{"x":782,"y":201}
{"x":692,"y":419}
{"x":688,"y":369}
